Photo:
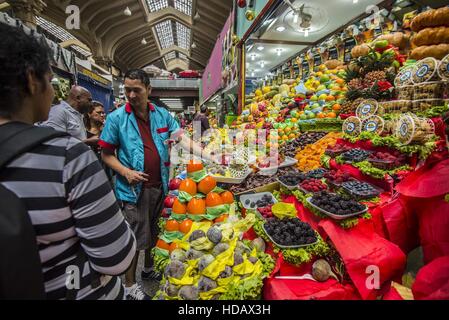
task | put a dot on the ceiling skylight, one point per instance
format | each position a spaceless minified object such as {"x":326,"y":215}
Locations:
{"x":183,"y":36}
{"x":170,"y":56}
{"x":185,"y":6}
{"x":182,"y":56}
{"x":164,"y":32}
{"x":156,"y":5}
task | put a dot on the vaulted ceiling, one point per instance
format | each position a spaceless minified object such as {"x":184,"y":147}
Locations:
{"x":169,"y":28}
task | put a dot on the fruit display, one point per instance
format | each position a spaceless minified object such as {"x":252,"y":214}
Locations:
{"x":290,"y":149}
{"x":386,"y":160}
{"x":355,"y":155}
{"x":266,"y":212}
{"x":360,"y":190}
{"x":336,"y":204}
{"x":309,"y":157}
{"x":317,"y":173}
{"x":292,"y":180}
{"x":336,"y":150}
{"x":257,"y":200}
{"x":337,"y":177}
{"x":313,"y":185}
{"x":290,"y":232}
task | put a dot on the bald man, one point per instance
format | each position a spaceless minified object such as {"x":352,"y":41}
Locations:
{"x":68,"y":115}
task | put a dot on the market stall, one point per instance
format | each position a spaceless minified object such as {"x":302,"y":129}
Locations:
{"x":345,"y":176}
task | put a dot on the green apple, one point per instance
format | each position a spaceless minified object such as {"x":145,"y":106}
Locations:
{"x":314,"y":98}
{"x":303,"y":117}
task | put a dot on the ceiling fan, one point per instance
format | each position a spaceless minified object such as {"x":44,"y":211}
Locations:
{"x":305,"y":20}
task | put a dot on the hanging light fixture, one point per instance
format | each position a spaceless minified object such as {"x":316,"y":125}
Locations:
{"x":197,"y":16}
{"x":144,"y":41}
{"x":127,"y":12}
{"x":193,"y":45}
{"x":306,"y":33}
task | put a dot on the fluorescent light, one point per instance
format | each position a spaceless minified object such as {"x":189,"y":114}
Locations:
{"x":355,"y":1}
{"x":280,"y":29}
{"x":260,"y":48}
{"x":144,"y":41}
{"x":306,"y":33}
{"x":253,"y":57}
{"x":279,"y":51}
{"x":295,"y":18}
{"x":252,"y":74}
{"x":262,"y":64}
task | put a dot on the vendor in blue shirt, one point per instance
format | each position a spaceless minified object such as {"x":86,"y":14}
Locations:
{"x":134,"y":145}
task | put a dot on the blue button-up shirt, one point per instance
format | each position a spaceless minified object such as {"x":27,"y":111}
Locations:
{"x":121,"y":133}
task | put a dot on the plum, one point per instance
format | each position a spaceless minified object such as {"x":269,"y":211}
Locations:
{"x":259,"y":244}
{"x":205,"y":260}
{"x":171,"y":290}
{"x":238,"y":258}
{"x":214,"y":235}
{"x":206,"y":284}
{"x":253,"y":260}
{"x":226,"y":273}
{"x":175,"y":269}
{"x":188,"y":293}
{"x":220,"y":248}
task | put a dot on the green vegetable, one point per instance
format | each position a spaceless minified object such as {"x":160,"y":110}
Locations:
{"x":325,"y":159}
{"x":367,"y":168}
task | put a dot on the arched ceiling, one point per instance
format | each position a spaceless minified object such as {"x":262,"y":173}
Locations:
{"x":112,"y":36}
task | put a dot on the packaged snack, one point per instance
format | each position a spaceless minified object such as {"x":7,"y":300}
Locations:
{"x":367,"y":108}
{"x":405,"y":92}
{"x":425,"y":70}
{"x":431,"y":90}
{"x":373,"y":124}
{"x":404,"y":76}
{"x":352,"y":126}
{"x":443,"y":68}
{"x":425,"y":104}
{"x":410,"y":129}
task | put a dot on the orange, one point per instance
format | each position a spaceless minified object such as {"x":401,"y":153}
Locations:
{"x":227,"y":197}
{"x":284,"y":137}
{"x":185,"y":226}
{"x":320,"y":115}
{"x":179,"y":207}
{"x":213,"y":199}
{"x":287,"y":130}
{"x":189,"y":186}
{"x":330,"y":98}
{"x":194,"y":166}
{"x":292,"y":136}
{"x":173,"y":246}
{"x":172,"y":225}
{"x":340,"y":81}
{"x":196,"y":206}
{"x":331,"y":115}
{"x":207,"y":185}
{"x":162,"y":244}
{"x":336,"y":107}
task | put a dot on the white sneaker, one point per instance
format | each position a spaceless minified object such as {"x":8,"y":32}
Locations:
{"x":136,"y":293}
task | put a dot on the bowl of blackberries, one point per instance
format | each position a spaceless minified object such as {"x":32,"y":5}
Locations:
{"x":257,"y":200}
{"x":355,"y":155}
{"x":290,"y":233}
{"x":317,"y":173}
{"x":360,"y":190}
{"x":291,"y":181}
{"x":336,"y":206}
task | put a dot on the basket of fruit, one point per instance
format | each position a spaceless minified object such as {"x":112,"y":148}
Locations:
{"x":290,"y":233}
{"x":312,"y":186}
{"x":360,"y":190}
{"x":257,"y":200}
{"x":336,"y":206}
{"x":355,"y":155}
{"x":385,"y":160}
{"x":291,"y":181}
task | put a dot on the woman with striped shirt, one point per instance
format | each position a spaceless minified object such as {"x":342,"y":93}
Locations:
{"x":61,"y":183}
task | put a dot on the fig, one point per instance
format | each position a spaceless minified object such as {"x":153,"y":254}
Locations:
{"x":197,"y":234}
{"x":171,"y":290}
{"x":188,"y":293}
{"x":193,"y":254}
{"x":178,"y":254}
{"x":226,"y":273}
{"x":205,"y":261}
{"x":206,"y":284}
{"x":175,"y":269}
{"x":321,"y":271}
{"x":259,"y":244}
{"x":220,"y":248}
{"x":253,"y":260}
{"x":238,"y":259}
{"x":214,"y":235}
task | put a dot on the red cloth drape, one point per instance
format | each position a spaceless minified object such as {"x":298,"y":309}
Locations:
{"x":432,"y":281}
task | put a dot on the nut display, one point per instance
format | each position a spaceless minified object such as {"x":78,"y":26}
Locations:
{"x":431,"y":90}
{"x":404,"y":77}
{"x":410,"y":129}
{"x":425,"y":70}
{"x":443,"y":68}
{"x":423,"y":105}
{"x":405,"y":92}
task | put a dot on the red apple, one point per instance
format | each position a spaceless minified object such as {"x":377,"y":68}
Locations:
{"x":241,"y":3}
{"x":174,"y":184}
{"x":165,"y":213}
{"x":169,"y":200}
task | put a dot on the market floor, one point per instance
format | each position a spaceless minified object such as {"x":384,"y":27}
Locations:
{"x":149,"y":286}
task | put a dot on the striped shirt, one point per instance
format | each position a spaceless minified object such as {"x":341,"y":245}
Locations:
{"x":71,"y":203}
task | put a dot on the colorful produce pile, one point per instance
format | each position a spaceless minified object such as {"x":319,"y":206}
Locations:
{"x":309,"y":157}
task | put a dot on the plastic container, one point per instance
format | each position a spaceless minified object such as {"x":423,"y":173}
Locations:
{"x":358,"y":196}
{"x":352,"y":126}
{"x":288,"y":162}
{"x":254,"y":198}
{"x":443,"y":68}
{"x":287,"y":247}
{"x":373,"y":124}
{"x":425,"y":70}
{"x":232,"y":180}
{"x":425,"y":104}
{"x":405,"y":92}
{"x":410,"y":129}
{"x":287,"y":186}
{"x":346,"y":156}
{"x":431,"y":90}
{"x":382,"y":164}
{"x":336,"y":216}
{"x":368,"y":108}
{"x":317,"y":173}
{"x":311,"y":192}
{"x":404,"y":77}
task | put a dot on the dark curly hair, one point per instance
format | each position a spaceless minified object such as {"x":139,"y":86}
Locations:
{"x":20,"y":54}
{"x":138,"y":74}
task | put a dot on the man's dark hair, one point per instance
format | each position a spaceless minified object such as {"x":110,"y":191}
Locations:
{"x":138,"y":74}
{"x":20,"y":54}
{"x":203,"y":108}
